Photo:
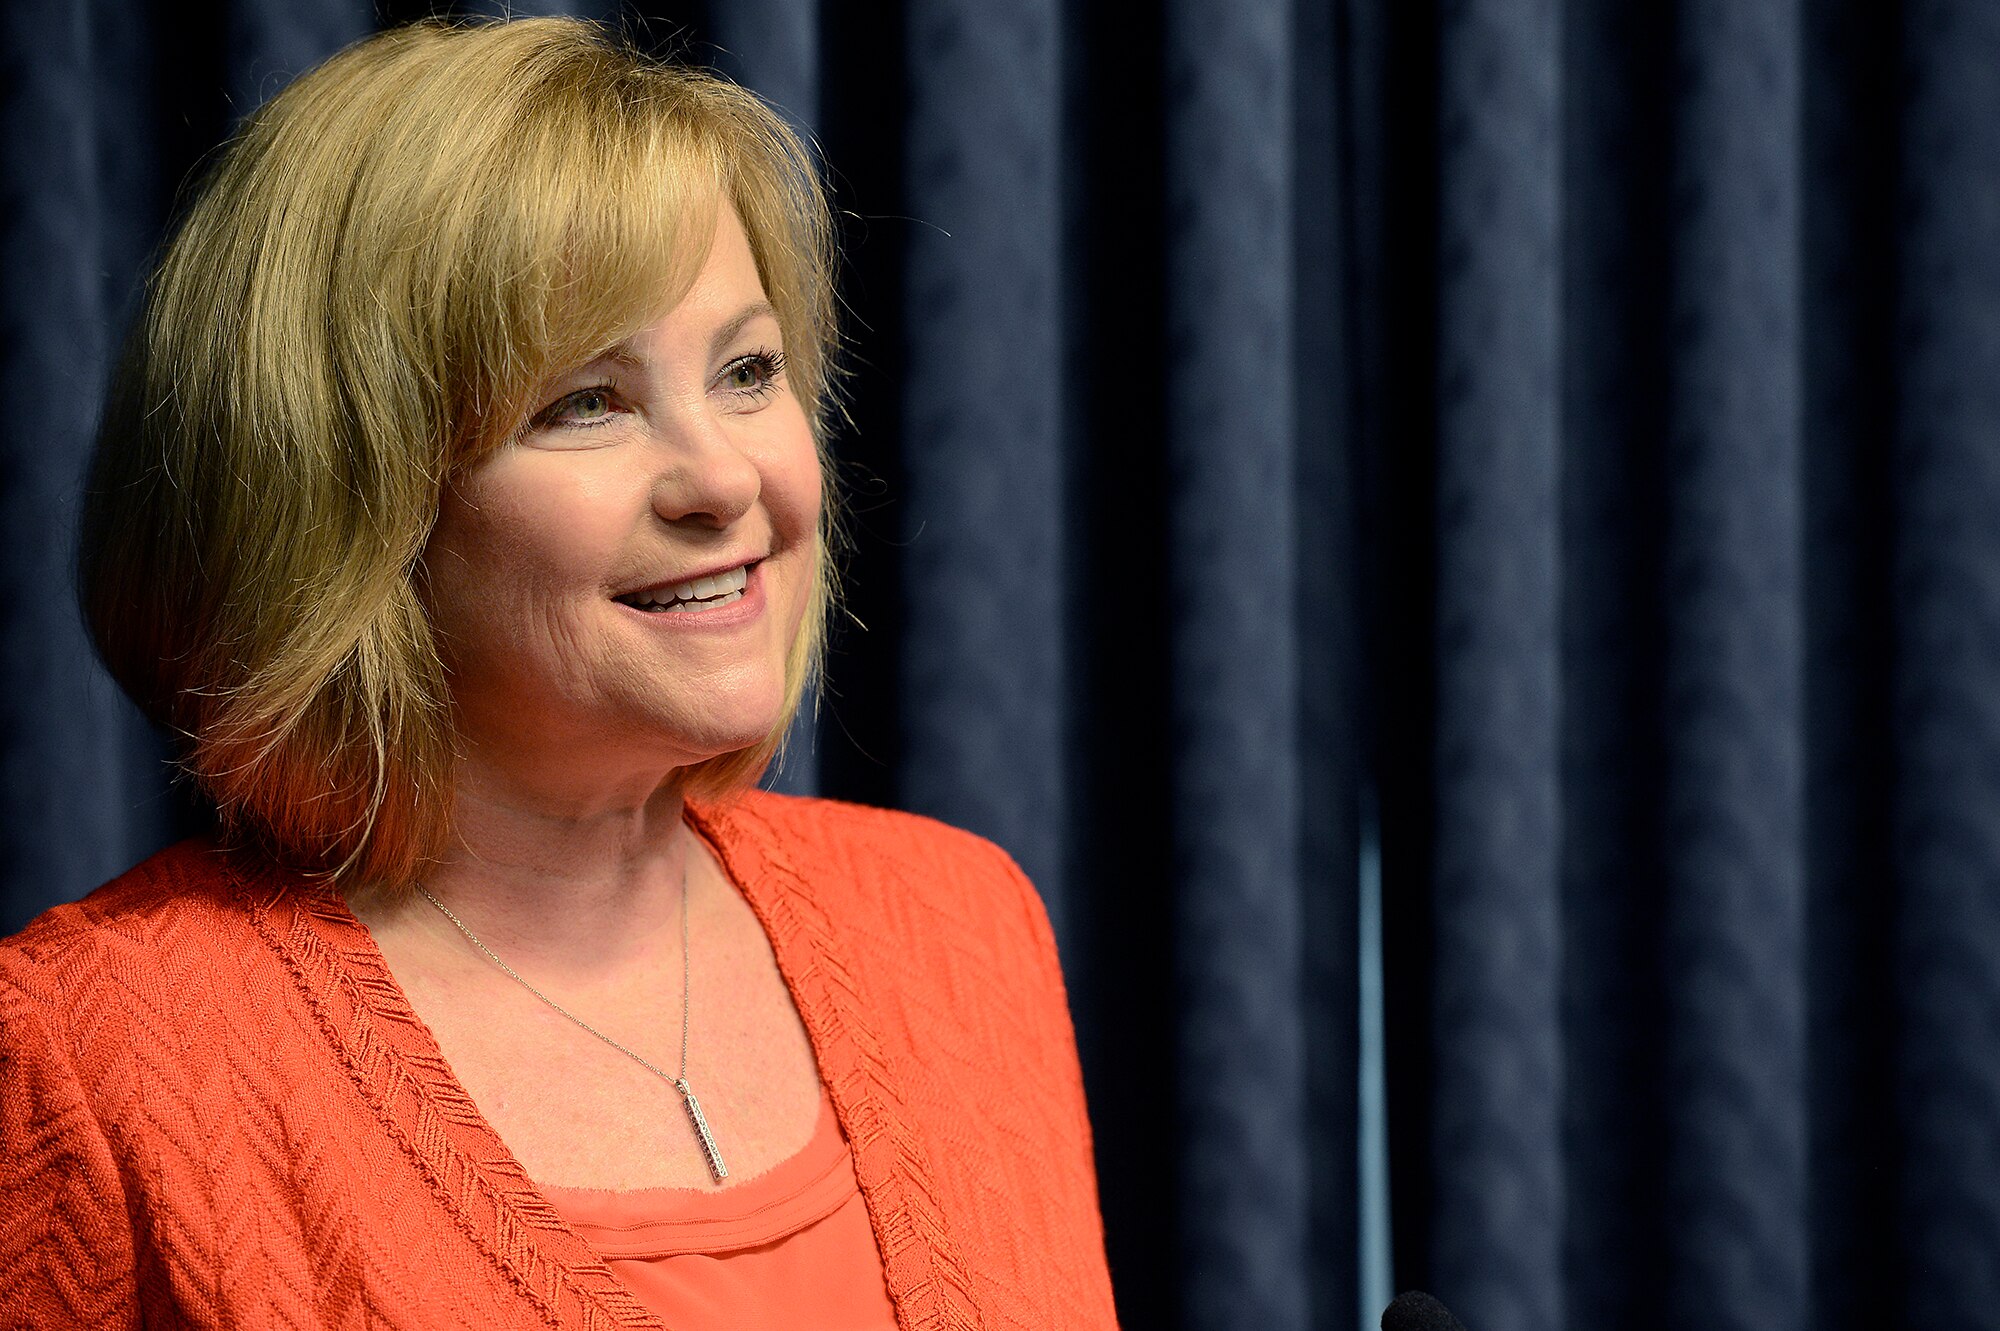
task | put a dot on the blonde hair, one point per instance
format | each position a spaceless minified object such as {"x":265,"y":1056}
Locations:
{"x":385,"y":263}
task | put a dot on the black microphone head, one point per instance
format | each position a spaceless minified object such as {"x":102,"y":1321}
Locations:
{"x":1418,"y":1311}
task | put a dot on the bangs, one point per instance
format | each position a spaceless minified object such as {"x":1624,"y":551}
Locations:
{"x":543,"y":200}
{"x":591,"y":219}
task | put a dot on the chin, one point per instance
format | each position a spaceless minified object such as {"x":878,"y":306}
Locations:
{"x":713,"y":737}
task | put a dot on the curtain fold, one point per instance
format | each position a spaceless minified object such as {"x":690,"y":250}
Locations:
{"x":983,"y":541}
{"x":1947,"y":665}
{"x":1730,"y":817}
{"x":1496,"y":1134}
{"x":65,"y":750}
{"x":1552,"y":443}
{"x":1852,"y":96}
{"x":1232,"y":543}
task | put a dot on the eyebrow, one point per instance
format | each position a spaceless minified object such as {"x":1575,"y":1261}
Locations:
{"x":748,"y":314}
{"x":621,"y":354}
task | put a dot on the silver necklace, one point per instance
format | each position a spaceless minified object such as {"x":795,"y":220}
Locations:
{"x":679,"y":1083}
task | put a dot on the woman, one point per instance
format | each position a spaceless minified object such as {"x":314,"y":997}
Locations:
{"x":460,"y":508}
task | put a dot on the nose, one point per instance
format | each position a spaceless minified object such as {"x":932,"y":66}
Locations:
{"x":706,"y":477}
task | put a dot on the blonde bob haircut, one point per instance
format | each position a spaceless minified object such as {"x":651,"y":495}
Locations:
{"x":381,"y":269}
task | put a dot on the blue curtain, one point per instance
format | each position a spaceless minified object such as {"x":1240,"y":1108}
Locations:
{"x":1572,"y":430}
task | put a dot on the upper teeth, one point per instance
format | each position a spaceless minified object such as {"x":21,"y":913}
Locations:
{"x":701,"y":589}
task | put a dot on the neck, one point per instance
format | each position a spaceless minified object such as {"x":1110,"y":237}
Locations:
{"x":570,"y":886}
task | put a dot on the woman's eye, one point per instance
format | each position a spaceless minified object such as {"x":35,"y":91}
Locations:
{"x":590,"y":402}
{"x":753,"y":376}
{"x":585,"y":407}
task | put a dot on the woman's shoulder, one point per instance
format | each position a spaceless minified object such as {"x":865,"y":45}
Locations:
{"x":825,"y":824}
{"x":158,"y":928}
{"x":183,"y":885}
{"x":883,"y":867}
{"x":847,"y":842}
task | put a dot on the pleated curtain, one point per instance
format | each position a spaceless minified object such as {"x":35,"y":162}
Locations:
{"x":1699,"y":869}
{"x":1549,"y":450}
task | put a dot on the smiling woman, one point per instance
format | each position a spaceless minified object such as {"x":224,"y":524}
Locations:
{"x":460,"y":509}
{"x":401,"y":259}
{"x":679,"y":459}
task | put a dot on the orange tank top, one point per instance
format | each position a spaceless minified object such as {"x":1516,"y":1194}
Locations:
{"x":791,"y":1247}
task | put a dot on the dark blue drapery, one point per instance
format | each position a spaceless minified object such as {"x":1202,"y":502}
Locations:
{"x":1570,"y":429}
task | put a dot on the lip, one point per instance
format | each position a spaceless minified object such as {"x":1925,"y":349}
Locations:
{"x":743,"y":610}
{"x":750,"y":565}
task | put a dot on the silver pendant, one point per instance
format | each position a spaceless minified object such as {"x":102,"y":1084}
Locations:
{"x":708,"y":1146}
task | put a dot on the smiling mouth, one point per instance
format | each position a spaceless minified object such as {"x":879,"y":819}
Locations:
{"x":691,"y":597}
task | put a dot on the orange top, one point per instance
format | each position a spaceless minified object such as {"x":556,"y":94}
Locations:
{"x":218,"y":1110}
{"x":788,"y":1248}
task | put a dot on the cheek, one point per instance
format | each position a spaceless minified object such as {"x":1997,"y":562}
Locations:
{"x":806,"y":498}
{"x":794,"y":500}
{"x":498,"y":570}
{"x":525,"y":526}
{"x":793,"y":481}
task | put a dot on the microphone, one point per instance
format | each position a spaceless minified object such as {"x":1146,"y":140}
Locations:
{"x":1418,"y":1311}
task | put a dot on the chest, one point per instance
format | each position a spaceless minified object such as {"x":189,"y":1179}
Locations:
{"x":577,"y":1112}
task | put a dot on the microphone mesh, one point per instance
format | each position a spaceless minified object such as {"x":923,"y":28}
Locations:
{"x":1418,"y":1311}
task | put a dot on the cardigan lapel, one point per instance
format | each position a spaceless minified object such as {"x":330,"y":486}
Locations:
{"x":799,"y":906}
{"x":402,"y":1075}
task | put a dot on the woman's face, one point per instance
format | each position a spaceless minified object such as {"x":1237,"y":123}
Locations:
{"x":621,"y":586}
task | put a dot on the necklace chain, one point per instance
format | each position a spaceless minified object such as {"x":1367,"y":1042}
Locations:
{"x":678,"y":1082}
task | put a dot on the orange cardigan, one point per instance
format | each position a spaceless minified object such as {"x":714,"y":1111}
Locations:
{"x":216,"y":1108}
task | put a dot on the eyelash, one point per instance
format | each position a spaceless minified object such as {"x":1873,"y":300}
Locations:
{"x":769,"y":364}
{"x":551,"y":416}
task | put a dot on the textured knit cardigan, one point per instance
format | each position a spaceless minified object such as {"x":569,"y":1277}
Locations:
{"x":218,"y":1110}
